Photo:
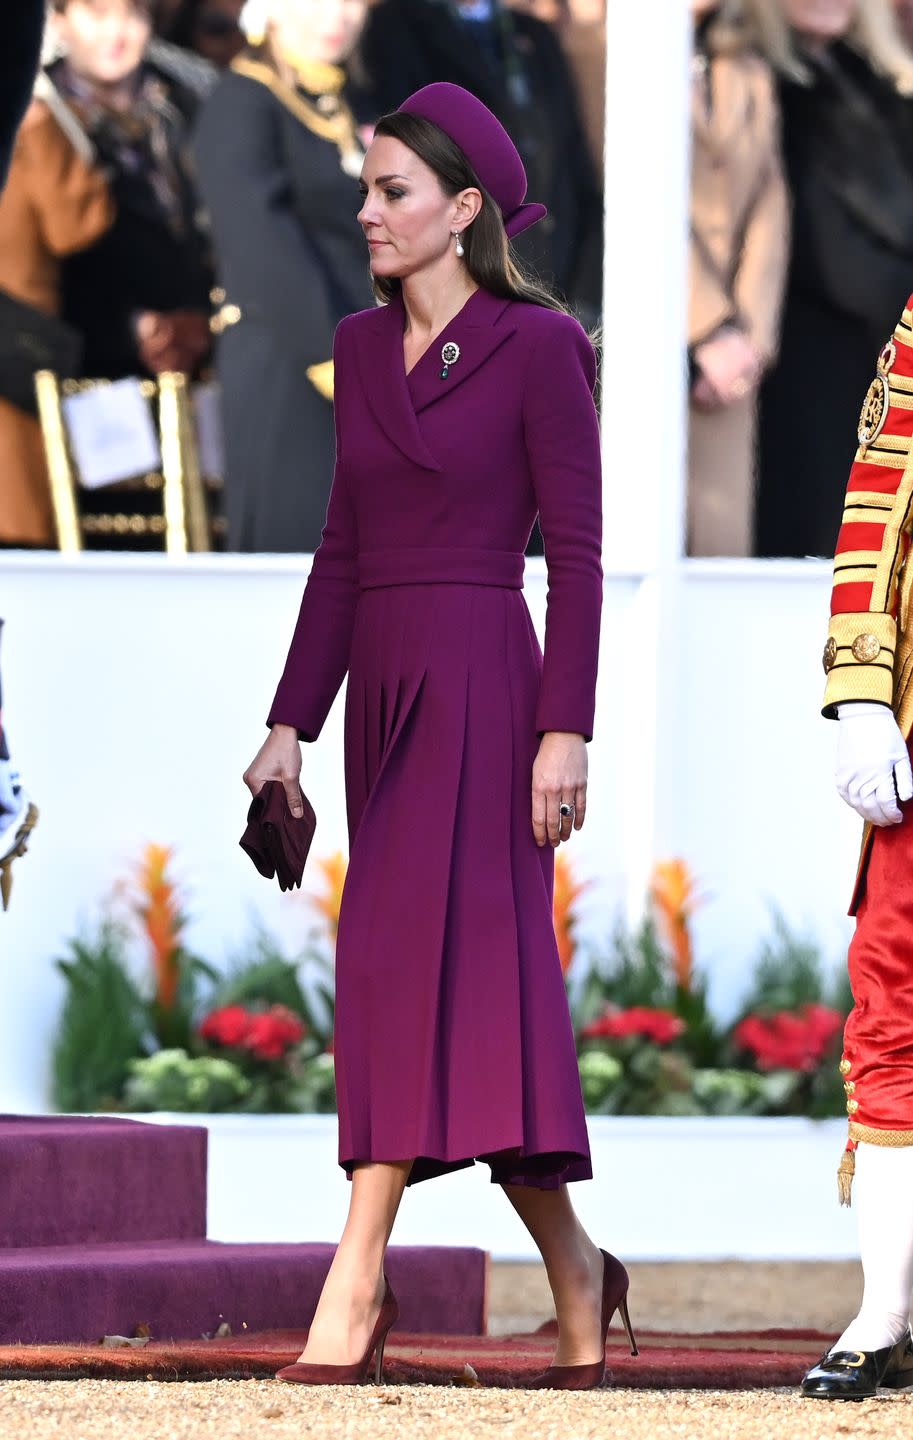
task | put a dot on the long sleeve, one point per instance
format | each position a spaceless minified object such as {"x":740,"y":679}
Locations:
{"x":761,"y":278}
{"x":69,"y":196}
{"x":562,"y":441}
{"x":318,"y":657}
{"x":872,"y":546}
{"x":268,"y":266}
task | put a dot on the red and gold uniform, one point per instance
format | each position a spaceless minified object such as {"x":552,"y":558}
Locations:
{"x":869,"y":657}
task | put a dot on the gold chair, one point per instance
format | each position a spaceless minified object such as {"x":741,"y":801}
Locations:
{"x":180,"y":522}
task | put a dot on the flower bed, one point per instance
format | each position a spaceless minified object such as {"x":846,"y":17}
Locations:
{"x":257,"y":1039}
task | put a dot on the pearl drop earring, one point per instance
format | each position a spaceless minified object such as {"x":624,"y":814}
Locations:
{"x":459,"y":244}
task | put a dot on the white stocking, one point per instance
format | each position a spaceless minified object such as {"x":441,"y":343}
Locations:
{"x":883,"y":1197}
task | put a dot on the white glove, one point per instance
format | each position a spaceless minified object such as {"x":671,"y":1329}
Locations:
{"x":872,"y":758}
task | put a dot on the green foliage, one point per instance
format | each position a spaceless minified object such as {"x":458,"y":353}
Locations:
{"x":600,"y":1076}
{"x":701,"y":1071}
{"x":743,"y":1092}
{"x":174,"y":1025}
{"x":174,"y":1080}
{"x":264,"y":975}
{"x":104,"y":1024}
{"x":313,"y":1089}
{"x":638,"y":969}
{"x":636,"y":972}
{"x":789,"y":973}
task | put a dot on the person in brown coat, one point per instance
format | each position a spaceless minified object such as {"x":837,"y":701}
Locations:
{"x":738,"y":262}
{"x":54,"y":204}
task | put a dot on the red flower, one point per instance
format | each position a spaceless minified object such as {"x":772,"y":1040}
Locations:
{"x":791,"y":1039}
{"x":228,"y":1026}
{"x":272,"y":1034}
{"x":659,"y":1026}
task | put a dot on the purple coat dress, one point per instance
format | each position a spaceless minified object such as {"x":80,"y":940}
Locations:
{"x":453,"y":1038}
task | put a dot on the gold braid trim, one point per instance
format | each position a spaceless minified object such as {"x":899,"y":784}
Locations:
{"x":895,"y":1139}
{"x":338,"y":127}
{"x":891,"y":557}
{"x":868,"y":1135}
{"x":845,"y":1172}
{"x":315,"y":75}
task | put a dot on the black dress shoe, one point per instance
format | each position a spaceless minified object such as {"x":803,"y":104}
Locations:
{"x":857,"y":1375}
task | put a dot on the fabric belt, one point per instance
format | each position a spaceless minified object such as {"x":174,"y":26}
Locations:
{"x":448,"y":566}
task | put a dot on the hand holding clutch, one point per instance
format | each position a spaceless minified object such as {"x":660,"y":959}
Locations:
{"x":276,"y":840}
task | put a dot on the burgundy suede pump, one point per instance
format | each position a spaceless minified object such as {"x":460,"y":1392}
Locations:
{"x":305,"y":1374}
{"x":593,"y":1377}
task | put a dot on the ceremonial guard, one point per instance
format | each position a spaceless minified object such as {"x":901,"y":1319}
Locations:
{"x":868,"y":659}
{"x":278,"y":156}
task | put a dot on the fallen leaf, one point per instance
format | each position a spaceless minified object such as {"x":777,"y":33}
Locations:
{"x":124,"y":1342}
{"x":467,"y":1376}
{"x":272,"y":1414}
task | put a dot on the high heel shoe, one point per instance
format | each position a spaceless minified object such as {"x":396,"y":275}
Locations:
{"x":593,"y":1377}
{"x":306,"y":1374}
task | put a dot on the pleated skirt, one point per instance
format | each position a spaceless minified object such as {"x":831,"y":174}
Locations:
{"x":453,"y":1037}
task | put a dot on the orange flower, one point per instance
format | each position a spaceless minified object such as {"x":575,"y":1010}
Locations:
{"x":157,"y":907}
{"x":673,"y":892}
{"x":567,"y":892}
{"x":328,"y":903}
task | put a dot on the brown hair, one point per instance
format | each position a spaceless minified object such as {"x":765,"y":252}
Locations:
{"x":489,"y":259}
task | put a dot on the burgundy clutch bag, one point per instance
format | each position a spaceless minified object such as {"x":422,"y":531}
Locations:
{"x":277,"y":841}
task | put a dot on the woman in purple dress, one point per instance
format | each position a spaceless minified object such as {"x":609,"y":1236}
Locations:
{"x":464,"y":408}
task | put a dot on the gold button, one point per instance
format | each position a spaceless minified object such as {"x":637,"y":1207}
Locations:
{"x":845,"y":1066}
{"x":866,"y":648}
{"x":849,"y":1086}
{"x":852,"y":1106}
{"x":217,"y":295}
{"x":830,"y":654}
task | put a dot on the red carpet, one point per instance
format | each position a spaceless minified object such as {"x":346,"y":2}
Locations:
{"x":761,"y":1360}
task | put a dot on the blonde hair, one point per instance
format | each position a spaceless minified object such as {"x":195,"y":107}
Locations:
{"x":874,"y":34}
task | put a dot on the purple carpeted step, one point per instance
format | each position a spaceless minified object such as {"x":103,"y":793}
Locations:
{"x":66,"y":1180}
{"x":184,"y":1289}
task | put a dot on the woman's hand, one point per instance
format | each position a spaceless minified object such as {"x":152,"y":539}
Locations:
{"x":559,"y":776}
{"x":279,"y":758}
{"x":729,"y":369}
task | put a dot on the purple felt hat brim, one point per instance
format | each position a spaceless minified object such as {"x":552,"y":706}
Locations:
{"x":524,"y":217}
{"x":485,"y":143}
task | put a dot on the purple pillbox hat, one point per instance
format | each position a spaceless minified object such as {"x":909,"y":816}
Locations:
{"x":486,"y":145}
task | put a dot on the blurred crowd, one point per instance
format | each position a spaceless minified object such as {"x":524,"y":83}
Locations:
{"x":801,"y":257}
{"x":182,"y":197}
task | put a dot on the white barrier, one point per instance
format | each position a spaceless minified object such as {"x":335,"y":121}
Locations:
{"x":662,"y":1189}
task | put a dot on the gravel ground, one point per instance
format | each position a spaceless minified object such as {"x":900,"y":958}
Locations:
{"x":725,"y":1296}
{"x":251,"y":1409}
